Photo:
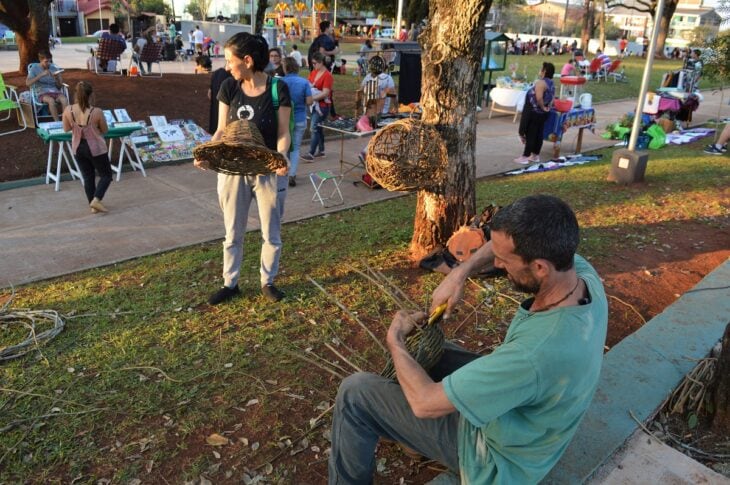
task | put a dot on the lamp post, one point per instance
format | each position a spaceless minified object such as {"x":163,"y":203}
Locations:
{"x":101,"y":22}
{"x":399,"y":19}
{"x":628,"y":165}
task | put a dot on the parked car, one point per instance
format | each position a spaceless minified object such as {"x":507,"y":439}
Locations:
{"x":387,"y":33}
{"x":97,"y":34}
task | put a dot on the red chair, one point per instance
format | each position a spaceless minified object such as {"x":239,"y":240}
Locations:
{"x":596,"y":70}
{"x":109,"y":50}
{"x":613,"y":71}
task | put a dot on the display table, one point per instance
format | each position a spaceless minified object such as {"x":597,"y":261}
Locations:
{"x":151,"y":148}
{"x":558,"y":123}
{"x":61,"y":142}
{"x":505,"y":100}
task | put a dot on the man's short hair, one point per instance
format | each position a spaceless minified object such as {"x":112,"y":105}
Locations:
{"x":324,"y":25}
{"x":541,"y":227}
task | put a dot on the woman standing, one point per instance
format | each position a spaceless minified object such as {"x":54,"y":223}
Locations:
{"x":301,"y":96}
{"x":535,"y":113}
{"x":248,"y":96}
{"x":321,"y":80}
{"x":87,"y":124}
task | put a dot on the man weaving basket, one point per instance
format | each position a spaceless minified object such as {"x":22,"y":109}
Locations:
{"x":508,"y":416}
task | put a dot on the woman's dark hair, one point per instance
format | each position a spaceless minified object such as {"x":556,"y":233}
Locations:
{"x":275,"y":49}
{"x":541,"y":227}
{"x":549,"y":69}
{"x":324,"y":25}
{"x":204,"y":62}
{"x":244,"y":44}
{"x":290,"y":65}
{"x":318,"y":57}
{"x":82,"y":95}
{"x":114,"y":28}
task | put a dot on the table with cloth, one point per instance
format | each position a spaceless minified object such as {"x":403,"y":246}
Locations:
{"x":507,"y":100}
{"x":60,"y":141}
{"x":559,"y":122}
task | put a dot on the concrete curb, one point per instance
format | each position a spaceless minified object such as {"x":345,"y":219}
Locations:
{"x":641,"y":371}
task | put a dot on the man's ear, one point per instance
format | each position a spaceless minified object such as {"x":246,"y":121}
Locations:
{"x":542,"y":268}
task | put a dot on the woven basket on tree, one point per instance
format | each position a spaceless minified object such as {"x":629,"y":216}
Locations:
{"x":425,"y":344}
{"x":241,"y":151}
{"x":407,"y":155}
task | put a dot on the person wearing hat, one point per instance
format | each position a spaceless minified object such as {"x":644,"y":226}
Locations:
{"x":382,"y":81}
{"x":248,"y":95}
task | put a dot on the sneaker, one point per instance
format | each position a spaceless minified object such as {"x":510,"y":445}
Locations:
{"x":522,"y":160}
{"x":272,"y":293}
{"x":713,"y":150}
{"x":307,"y":156}
{"x":319,"y":155}
{"x":223,"y":295}
{"x":534,"y":158}
{"x":292,"y":181}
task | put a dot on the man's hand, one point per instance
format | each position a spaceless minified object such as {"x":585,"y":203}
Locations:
{"x":403,"y":324}
{"x":450,"y":291}
{"x":201,"y":164}
{"x":284,"y":170}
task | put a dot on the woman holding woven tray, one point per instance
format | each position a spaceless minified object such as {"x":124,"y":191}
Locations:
{"x":248,"y":96}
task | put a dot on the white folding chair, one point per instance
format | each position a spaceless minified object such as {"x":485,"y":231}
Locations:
{"x":322,"y":181}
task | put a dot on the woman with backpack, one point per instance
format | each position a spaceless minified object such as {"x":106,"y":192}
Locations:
{"x":87,"y":125}
{"x":248,"y":95}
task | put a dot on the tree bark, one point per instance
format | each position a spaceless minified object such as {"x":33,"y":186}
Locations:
{"x":669,"y":8}
{"x":452,"y":46}
{"x":587,"y":28}
{"x":721,"y":420}
{"x":31,"y":24}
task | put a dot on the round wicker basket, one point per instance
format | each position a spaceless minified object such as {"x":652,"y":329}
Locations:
{"x":241,"y":151}
{"x":407,"y":155}
{"x":426,"y":345}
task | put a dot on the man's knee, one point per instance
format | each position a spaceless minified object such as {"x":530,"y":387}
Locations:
{"x":355,"y":385}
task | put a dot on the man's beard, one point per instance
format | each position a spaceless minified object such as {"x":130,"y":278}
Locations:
{"x":531,"y":287}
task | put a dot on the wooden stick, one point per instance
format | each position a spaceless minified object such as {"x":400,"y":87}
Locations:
{"x":350,"y":314}
{"x":334,"y":351}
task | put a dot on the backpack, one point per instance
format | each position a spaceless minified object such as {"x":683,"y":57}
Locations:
{"x":275,"y":100}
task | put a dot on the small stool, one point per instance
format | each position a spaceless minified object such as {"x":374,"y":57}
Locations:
{"x":319,"y":179}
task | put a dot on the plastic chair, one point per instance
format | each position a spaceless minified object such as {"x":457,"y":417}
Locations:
{"x":595,"y":69}
{"x":151,"y":54}
{"x":109,"y":50}
{"x":40,"y":109}
{"x":319,"y":179}
{"x":9,"y":101}
{"x":613,"y":71}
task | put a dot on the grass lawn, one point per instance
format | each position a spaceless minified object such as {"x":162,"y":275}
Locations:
{"x":144,"y":371}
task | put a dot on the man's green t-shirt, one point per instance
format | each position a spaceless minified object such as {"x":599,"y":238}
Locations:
{"x":520,"y":405}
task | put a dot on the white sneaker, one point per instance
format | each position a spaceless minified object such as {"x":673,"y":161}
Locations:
{"x":522,"y":160}
{"x":534,"y":159}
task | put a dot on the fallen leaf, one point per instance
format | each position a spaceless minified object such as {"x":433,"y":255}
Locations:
{"x":135,"y":481}
{"x":268,"y":469}
{"x":255,"y":446}
{"x":244,"y":441}
{"x":216,"y":440}
{"x":228,"y":365}
{"x":252,"y":402}
{"x":205,"y":481}
{"x":217,"y":455}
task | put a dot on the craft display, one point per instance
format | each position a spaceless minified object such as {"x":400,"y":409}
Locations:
{"x":151,"y":148}
{"x":407,"y":155}
{"x":241,"y":151}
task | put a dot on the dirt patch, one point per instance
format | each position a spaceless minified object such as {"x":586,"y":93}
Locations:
{"x":176,"y":96}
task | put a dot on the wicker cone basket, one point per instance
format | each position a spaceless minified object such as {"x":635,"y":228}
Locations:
{"x":241,"y":151}
{"x":425,"y":344}
{"x":407,"y":155}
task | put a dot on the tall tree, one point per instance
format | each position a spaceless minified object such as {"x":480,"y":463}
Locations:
{"x":30,"y":21}
{"x":452,"y":46}
{"x":202,"y":6}
{"x":649,"y":6}
{"x":586,"y":31}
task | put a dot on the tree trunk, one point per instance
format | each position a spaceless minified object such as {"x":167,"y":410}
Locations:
{"x":602,"y":27}
{"x":665,"y":21}
{"x":261,"y":6}
{"x":721,"y":420}
{"x":585,"y":32}
{"x":31,"y":24}
{"x":453,"y":43}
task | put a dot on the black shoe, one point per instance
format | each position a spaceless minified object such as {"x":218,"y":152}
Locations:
{"x":319,"y":155}
{"x":292,"y":181}
{"x":272,"y":292}
{"x":223,"y":295}
{"x":307,"y":156}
